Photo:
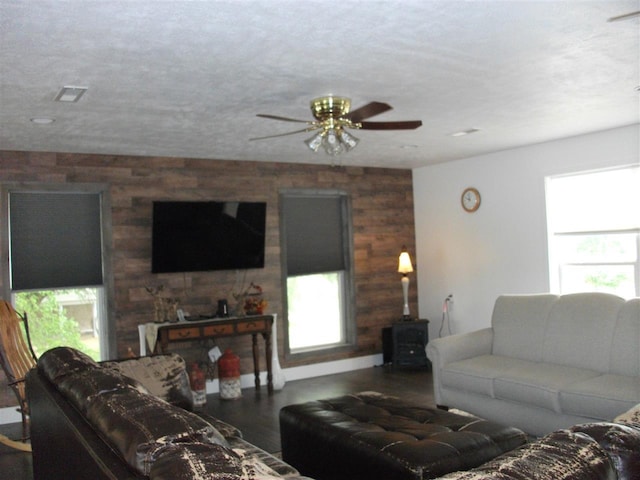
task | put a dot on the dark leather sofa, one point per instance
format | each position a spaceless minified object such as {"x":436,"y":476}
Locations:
{"x":62,"y":441}
{"x":590,"y":451}
{"x":89,"y":421}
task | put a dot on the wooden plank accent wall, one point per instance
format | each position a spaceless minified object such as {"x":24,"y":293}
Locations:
{"x":382,"y":214}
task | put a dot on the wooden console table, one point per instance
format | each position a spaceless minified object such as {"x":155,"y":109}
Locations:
{"x":223,"y":327}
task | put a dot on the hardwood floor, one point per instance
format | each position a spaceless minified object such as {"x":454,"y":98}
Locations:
{"x":256,"y":415}
{"x":14,"y":464}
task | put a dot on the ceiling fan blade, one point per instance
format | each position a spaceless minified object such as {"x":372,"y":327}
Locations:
{"x":308,"y":129}
{"x":284,"y":119}
{"x":405,"y":125}
{"x":367,"y":111}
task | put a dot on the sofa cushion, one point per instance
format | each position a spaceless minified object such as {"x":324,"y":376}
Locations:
{"x":246,"y":449}
{"x":477,"y":374}
{"x":165,"y":376}
{"x":579,"y":331}
{"x":135,"y":423}
{"x":81,"y":387}
{"x":61,"y":361}
{"x":538,"y":384}
{"x":561,"y":455}
{"x":197,"y":461}
{"x":602,"y":397}
{"x":519,"y":323}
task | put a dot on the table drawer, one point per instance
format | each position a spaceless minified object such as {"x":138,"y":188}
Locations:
{"x":253,"y":326}
{"x":219,"y":329}
{"x":183,"y":333}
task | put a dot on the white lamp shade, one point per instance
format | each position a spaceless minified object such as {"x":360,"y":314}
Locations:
{"x":404,"y":263}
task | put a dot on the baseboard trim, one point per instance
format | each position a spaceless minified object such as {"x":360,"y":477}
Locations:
{"x":307,"y":371}
{"x":12,"y":415}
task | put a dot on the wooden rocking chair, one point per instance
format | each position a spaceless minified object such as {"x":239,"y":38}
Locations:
{"x":17,"y":358}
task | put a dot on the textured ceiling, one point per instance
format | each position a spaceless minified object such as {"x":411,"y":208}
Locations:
{"x":186,"y":78}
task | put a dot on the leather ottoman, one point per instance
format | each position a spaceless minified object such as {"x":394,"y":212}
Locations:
{"x":373,"y":436}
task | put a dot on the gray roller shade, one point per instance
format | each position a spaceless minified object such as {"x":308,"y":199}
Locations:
{"x":313,"y":234}
{"x":55,"y":240}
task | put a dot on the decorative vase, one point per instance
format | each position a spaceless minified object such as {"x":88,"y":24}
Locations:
{"x":278,"y":375}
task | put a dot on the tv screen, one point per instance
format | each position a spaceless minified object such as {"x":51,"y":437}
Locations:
{"x":201,"y":236}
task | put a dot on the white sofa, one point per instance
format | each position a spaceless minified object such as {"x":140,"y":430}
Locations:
{"x":547,"y":362}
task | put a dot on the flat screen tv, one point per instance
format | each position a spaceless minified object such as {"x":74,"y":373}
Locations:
{"x":203,"y":235}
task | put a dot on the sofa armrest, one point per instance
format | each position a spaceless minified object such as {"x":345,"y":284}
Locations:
{"x":442,"y":351}
{"x":459,"y":347}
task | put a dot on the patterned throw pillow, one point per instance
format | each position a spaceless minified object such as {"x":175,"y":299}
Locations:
{"x":165,"y":376}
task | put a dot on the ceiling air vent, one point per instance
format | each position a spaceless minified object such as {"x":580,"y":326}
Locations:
{"x":70,"y":94}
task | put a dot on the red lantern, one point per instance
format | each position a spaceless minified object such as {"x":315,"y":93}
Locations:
{"x":229,"y":365}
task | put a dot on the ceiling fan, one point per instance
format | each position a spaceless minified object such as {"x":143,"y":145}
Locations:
{"x":333,"y":117}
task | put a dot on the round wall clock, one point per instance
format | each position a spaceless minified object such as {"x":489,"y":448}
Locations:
{"x":470,"y":199}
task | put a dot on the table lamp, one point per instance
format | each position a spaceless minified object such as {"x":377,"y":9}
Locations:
{"x":404,"y":267}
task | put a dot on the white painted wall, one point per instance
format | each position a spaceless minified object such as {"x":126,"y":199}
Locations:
{"x":502,"y":247}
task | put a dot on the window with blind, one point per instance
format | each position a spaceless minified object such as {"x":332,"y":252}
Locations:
{"x":594,"y":232}
{"x":55,"y":271}
{"x":316,"y":243}
{"x":55,"y":240}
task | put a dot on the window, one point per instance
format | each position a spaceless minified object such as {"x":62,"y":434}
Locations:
{"x":54,"y":243}
{"x":594,"y":232}
{"x":317,"y":265}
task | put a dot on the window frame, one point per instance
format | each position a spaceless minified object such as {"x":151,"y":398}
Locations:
{"x":108,"y":347}
{"x":348,"y":282}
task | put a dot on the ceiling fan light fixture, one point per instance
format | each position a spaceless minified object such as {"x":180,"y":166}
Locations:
{"x":333,"y":116}
{"x":331,"y":142}
{"x":314,"y":142}
{"x":330,"y":107}
{"x":350,"y":142}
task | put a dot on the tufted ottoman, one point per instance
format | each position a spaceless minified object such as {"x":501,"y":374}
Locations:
{"x":373,"y":436}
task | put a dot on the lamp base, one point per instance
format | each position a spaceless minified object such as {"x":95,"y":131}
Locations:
{"x":406,"y":318}
{"x":405,"y":296}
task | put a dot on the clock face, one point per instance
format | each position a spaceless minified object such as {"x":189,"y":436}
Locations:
{"x":470,"y":199}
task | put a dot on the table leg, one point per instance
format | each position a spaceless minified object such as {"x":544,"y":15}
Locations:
{"x":256,"y":361}
{"x":163,"y":343}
